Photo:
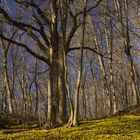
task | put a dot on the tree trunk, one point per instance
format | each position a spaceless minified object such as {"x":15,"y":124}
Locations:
{"x":37,"y":91}
{"x":129,"y":56}
{"x":24,"y":97}
{"x":62,"y":116}
{"x":95,"y":91}
{"x":70,"y":121}
{"x":56,"y":90}
{"x":76,"y":105}
{"x":6,"y":82}
{"x":53,"y":89}
{"x":109,"y":50}
{"x":133,"y":80}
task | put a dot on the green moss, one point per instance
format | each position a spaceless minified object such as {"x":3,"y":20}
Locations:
{"x":125,"y":127}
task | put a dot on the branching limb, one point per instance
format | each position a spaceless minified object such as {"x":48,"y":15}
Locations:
{"x":37,"y":8}
{"x":19,"y":25}
{"x":40,"y":57}
{"x":88,"y":48}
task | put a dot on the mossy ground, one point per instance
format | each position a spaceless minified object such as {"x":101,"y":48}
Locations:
{"x":126,"y":127}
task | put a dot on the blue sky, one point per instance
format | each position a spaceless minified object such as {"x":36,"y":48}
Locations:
{"x":11,"y":4}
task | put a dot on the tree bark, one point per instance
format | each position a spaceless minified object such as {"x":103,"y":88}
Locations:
{"x":6,"y":82}
{"x":56,"y":89}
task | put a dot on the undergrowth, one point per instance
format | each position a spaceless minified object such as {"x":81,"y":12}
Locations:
{"x":126,"y":127}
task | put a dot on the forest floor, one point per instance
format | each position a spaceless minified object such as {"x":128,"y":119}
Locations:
{"x":120,"y":127}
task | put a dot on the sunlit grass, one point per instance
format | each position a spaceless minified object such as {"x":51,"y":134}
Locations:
{"x":125,"y":127}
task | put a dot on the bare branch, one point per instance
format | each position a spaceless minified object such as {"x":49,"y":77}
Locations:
{"x":40,"y":45}
{"x":88,"y":48}
{"x":20,"y":25}
{"x":27,"y":49}
{"x":33,"y":5}
{"x":91,"y":8}
{"x":73,"y":30}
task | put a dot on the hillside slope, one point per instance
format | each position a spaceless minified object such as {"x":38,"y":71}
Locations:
{"x":123,"y":127}
{"x":133,"y":110}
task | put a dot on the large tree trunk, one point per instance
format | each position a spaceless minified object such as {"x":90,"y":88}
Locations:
{"x":53,"y":88}
{"x":56,"y":89}
{"x":62,"y":117}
